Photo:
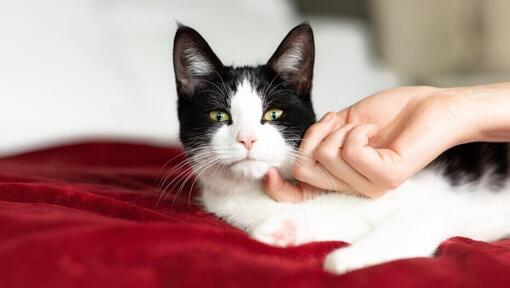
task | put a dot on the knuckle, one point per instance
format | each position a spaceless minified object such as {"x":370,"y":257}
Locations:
{"x":323,"y":154}
{"x":348,"y":127}
{"x":349,"y":153}
{"x":314,"y":129}
{"x":352,"y":114}
{"x":358,"y":131}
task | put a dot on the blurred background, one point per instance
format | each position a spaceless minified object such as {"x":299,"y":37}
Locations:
{"x":102,"y":69}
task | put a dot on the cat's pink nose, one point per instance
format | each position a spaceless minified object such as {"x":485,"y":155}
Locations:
{"x":247,"y":141}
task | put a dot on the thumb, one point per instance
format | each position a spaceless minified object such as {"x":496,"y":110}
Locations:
{"x":281,"y":190}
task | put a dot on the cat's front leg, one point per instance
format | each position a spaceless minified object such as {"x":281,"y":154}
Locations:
{"x":405,"y":235}
{"x":315,"y":220}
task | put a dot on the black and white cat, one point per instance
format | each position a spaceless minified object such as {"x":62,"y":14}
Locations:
{"x":237,"y":122}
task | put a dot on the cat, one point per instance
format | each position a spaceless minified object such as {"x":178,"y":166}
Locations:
{"x":237,"y":122}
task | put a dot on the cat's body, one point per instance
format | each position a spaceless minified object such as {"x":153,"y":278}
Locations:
{"x":410,"y":221}
{"x":236,"y":123}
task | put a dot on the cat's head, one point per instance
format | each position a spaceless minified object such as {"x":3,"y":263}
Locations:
{"x":241,"y":121}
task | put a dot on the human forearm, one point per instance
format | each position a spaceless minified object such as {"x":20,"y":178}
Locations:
{"x":487,"y":110}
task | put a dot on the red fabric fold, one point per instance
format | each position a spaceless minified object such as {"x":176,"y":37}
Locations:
{"x":89,"y":215}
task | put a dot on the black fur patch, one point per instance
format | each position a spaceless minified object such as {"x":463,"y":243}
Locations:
{"x":469,"y":162}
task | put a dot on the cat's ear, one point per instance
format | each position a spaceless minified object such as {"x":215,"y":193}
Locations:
{"x":294,"y":58}
{"x":194,"y":60}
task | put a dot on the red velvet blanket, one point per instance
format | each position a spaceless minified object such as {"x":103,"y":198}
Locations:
{"x":87,"y":216}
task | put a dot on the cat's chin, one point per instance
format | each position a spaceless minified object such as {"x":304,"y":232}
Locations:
{"x":252,"y":169}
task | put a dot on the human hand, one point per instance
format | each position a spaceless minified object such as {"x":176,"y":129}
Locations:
{"x":378,"y":143}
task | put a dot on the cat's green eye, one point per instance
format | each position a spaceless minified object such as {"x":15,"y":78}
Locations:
{"x":219,"y":116}
{"x":272,"y":114}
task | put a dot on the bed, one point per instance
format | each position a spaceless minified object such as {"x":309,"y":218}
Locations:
{"x":90,"y":215}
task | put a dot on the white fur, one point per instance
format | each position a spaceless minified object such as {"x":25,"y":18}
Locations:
{"x":198,"y":64}
{"x":292,"y":60}
{"x":410,"y":221}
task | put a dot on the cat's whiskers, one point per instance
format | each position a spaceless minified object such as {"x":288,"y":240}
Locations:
{"x":177,"y":178}
{"x":213,"y":92}
{"x":168,"y":162}
{"x":176,"y":168}
{"x":197,"y":176}
{"x":184,"y":174}
{"x":276,"y":86}
{"x":222,"y":82}
{"x":200,"y":159}
{"x":197,"y":171}
{"x":160,"y":171}
{"x":217,"y":87}
{"x":182,"y":164}
{"x":172,"y":171}
{"x":264,"y":95}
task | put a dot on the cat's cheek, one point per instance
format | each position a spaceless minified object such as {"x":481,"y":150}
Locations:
{"x":272,"y":147}
{"x":220,"y":137}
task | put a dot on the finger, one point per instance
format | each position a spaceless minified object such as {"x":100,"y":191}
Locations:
{"x":281,"y":190}
{"x":329,"y":155}
{"x":374,"y":164}
{"x":317,"y":132}
{"x":335,"y":140}
{"x":305,"y":168}
{"x":342,"y":117}
{"x":318,"y":176}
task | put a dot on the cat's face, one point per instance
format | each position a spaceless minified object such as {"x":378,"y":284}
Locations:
{"x":242,"y":121}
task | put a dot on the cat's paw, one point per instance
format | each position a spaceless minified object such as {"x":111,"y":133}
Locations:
{"x":377,"y":251}
{"x":281,"y":231}
{"x":347,"y":259}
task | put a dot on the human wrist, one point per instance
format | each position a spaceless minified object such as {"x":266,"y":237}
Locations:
{"x":448,"y":108}
{"x":485,"y":112}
